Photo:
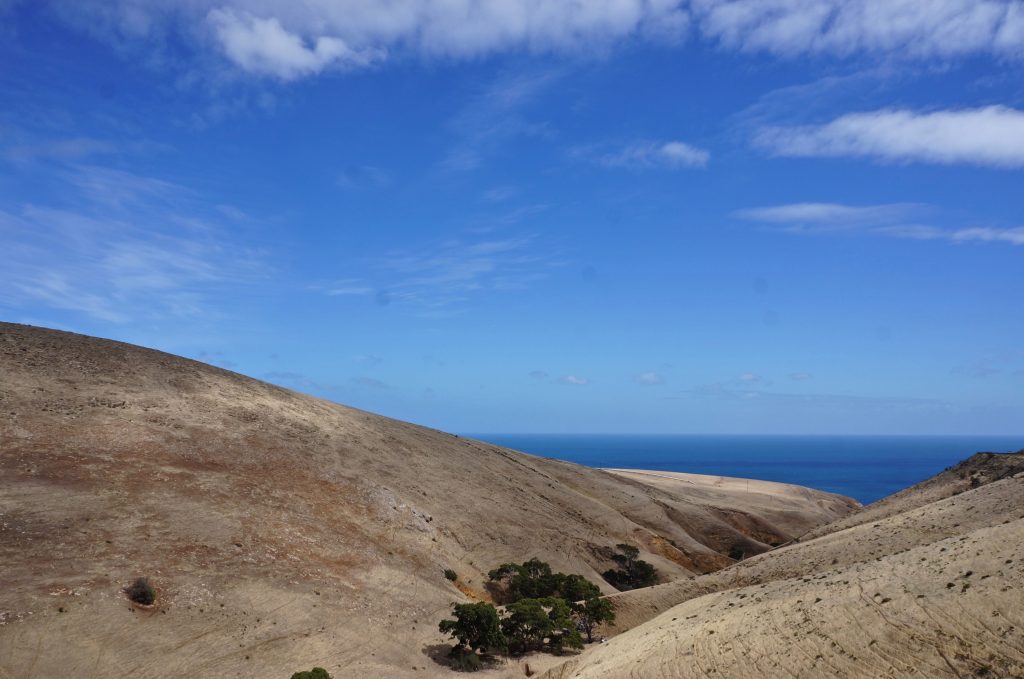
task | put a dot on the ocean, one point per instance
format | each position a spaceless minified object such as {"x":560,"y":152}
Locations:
{"x":865,"y":468}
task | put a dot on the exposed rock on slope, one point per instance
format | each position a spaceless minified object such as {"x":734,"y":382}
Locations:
{"x":281,"y":530}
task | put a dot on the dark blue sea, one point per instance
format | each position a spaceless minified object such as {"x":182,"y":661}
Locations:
{"x":862,"y":467}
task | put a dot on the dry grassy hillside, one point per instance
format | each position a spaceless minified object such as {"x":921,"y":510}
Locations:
{"x":283,"y":531}
{"x":928,"y":583}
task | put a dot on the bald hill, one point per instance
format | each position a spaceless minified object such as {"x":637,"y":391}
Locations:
{"x":281,"y":531}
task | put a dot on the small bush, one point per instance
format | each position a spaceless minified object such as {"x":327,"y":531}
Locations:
{"x":315,"y":673}
{"x":450,"y":574}
{"x":141,"y":592}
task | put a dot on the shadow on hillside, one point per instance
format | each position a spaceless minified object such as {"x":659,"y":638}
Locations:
{"x":442,"y":655}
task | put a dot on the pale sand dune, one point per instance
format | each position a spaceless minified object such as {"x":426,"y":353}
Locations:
{"x":283,"y":531}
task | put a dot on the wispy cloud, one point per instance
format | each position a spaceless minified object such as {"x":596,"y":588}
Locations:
{"x":829,"y":215}
{"x":914,"y":29}
{"x":649,"y":379}
{"x":981,"y":234}
{"x":574,"y":380}
{"x":894,"y":221}
{"x":642,"y":155}
{"x":850,"y":402}
{"x":348,"y":288}
{"x":495,"y":116}
{"x":453,"y":271}
{"x":992,"y":136}
{"x":123,"y":247}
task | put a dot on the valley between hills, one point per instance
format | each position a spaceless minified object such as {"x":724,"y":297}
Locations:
{"x":281,"y":531}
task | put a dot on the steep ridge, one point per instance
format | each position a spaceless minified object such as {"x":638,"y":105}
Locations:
{"x":281,"y":530}
{"x":934,"y":590}
{"x":978,"y":470}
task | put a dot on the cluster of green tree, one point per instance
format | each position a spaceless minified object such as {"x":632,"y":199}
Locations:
{"x":632,"y":572}
{"x":544,"y":611}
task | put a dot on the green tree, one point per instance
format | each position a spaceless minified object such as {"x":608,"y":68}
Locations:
{"x":315,"y":673}
{"x":532,"y":624}
{"x":591,"y":613}
{"x":574,"y":588}
{"x":564,"y":632}
{"x":533,"y":579}
{"x":476,"y":627}
{"x":632,"y":572}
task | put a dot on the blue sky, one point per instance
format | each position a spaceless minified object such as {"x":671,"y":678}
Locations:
{"x":781,"y":216}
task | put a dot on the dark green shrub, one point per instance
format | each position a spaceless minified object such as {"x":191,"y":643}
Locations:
{"x":315,"y":673}
{"x":450,"y":574}
{"x":141,"y":592}
{"x":632,"y":573}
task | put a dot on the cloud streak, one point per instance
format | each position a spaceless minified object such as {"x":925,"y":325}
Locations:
{"x":992,"y":136}
{"x":880,"y":220}
{"x":646,"y":155}
{"x":916,"y":29}
{"x":118,"y":253}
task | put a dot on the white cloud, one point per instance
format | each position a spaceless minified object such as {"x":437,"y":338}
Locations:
{"x":264,"y":47}
{"x":912,"y":28}
{"x":826,"y":214}
{"x":287,"y":40}
{"x":992,"y":136}
{"x":349,"y":290}
{"x":1013,"y":236}
{"x":879,"y":220}
{"x":574,"y":380}
{"x":801,"y":377}
{"x":650,"y":379}
{"x":645,"y":155}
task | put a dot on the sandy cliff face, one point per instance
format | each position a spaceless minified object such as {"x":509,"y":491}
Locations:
{"x":283,"y":531}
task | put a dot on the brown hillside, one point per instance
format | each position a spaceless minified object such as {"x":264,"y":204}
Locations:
{"x":282,"y":531}
{"x":931,"y":584}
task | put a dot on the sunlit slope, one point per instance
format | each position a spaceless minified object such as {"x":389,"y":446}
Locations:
{"x":935,"y":590}
{"x":281,"y":530}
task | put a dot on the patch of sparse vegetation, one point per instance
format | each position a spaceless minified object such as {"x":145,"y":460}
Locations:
{"x":315,"y":673}
{"x":450,"y":574}
{"x":633,"y":572}
{"x":141,"y":592}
